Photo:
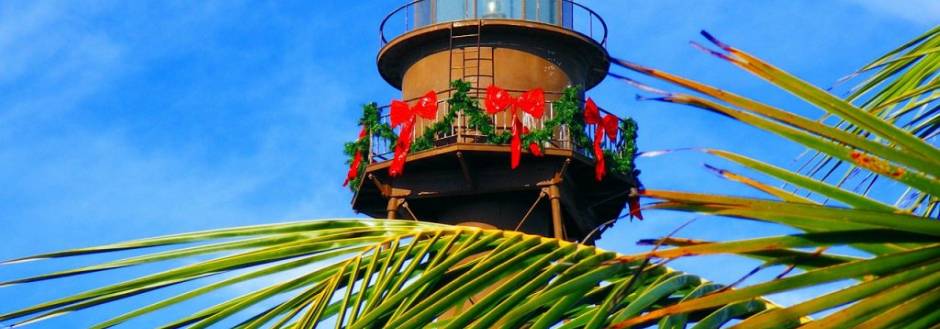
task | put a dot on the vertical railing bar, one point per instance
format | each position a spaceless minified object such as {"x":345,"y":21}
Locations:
{"x":590,"y":24}
{"x":454,"y":126}
{"x":561,"y":14}
{"x":371,"y":144}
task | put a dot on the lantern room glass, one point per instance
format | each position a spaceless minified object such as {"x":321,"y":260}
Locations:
{"x":428,"y":12}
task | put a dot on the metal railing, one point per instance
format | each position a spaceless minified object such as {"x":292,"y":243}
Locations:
{"x":563,"y":13}
{"x":460,"y":131}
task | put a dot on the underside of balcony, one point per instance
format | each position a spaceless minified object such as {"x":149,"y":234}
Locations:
{"x":462,"y":182}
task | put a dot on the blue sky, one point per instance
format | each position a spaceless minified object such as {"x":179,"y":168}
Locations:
{"x":129,"y":119}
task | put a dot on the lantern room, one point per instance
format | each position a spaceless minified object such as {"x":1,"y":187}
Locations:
{"x":492,"y":127}
{"x":512,"y":43}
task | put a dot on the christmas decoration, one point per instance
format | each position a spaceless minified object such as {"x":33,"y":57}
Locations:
{"x":357,"y":160}
{"x":567,"y":112}
{"x":602,"y":126}
{"x":404,"y":116}
{"x":533,"y":146}
{"x":375,"y":128}
{"x":633,"y":201}
{"x":531,"y":102}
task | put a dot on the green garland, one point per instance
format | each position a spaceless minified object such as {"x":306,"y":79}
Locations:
{"x":476,"y":117}
{"x":370,"y":120}
{"x":567,"y":111}
{"x":624,"y":161}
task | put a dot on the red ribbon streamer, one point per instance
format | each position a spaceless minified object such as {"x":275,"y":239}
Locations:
{"x":404,"y":116}
{"x":602,"y":126}
{"x":531,"y":102}
{"x":634,"y":203}
{"x":357,"y":160}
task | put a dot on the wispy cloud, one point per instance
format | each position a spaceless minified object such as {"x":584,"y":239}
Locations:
{"x":92,"y":134}
{"x":48,"y":63}
{"x":924,"y":12}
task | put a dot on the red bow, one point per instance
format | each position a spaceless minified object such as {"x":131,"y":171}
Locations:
{"x":606,"y":126}
{"x":531,"y":102}
{"x":404,"y":116}
{"x":357,"y":160}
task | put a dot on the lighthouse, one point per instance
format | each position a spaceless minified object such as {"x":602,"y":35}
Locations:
{"x":494,"y":126}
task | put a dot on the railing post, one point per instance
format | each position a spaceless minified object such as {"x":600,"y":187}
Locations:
{"x":371,"y":144}
{"x":590,"y":24}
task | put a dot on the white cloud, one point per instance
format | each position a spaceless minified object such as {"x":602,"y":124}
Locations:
{"x":926,"y":12}
{"x":82,"y":170}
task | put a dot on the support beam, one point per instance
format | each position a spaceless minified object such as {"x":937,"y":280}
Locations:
{"x":404,"y":204}
{"x":531,"y":208}
{"x":392,"y":207}
{"x":557,"y":224}
{"x":383,"y":188}
{"x":465,"y":170}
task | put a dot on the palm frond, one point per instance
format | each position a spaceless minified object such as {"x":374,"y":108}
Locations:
{"x":399,"y":274}
{"x":897,"y":284}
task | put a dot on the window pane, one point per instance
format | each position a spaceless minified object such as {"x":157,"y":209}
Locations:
{"x":542,"y":11}
{"x":516,"y":8}
{"x":568,"y":15}
{"x":422,"y":14}
{"x":499,"y":8}
{"x":451,"y":10}
{"x":531,"y":10}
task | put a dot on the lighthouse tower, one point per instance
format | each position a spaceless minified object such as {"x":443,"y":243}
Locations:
{"x":504,"y":55}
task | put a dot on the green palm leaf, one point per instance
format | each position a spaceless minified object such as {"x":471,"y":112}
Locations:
{"x":897,"y":285}
{"x":400,"y":274}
